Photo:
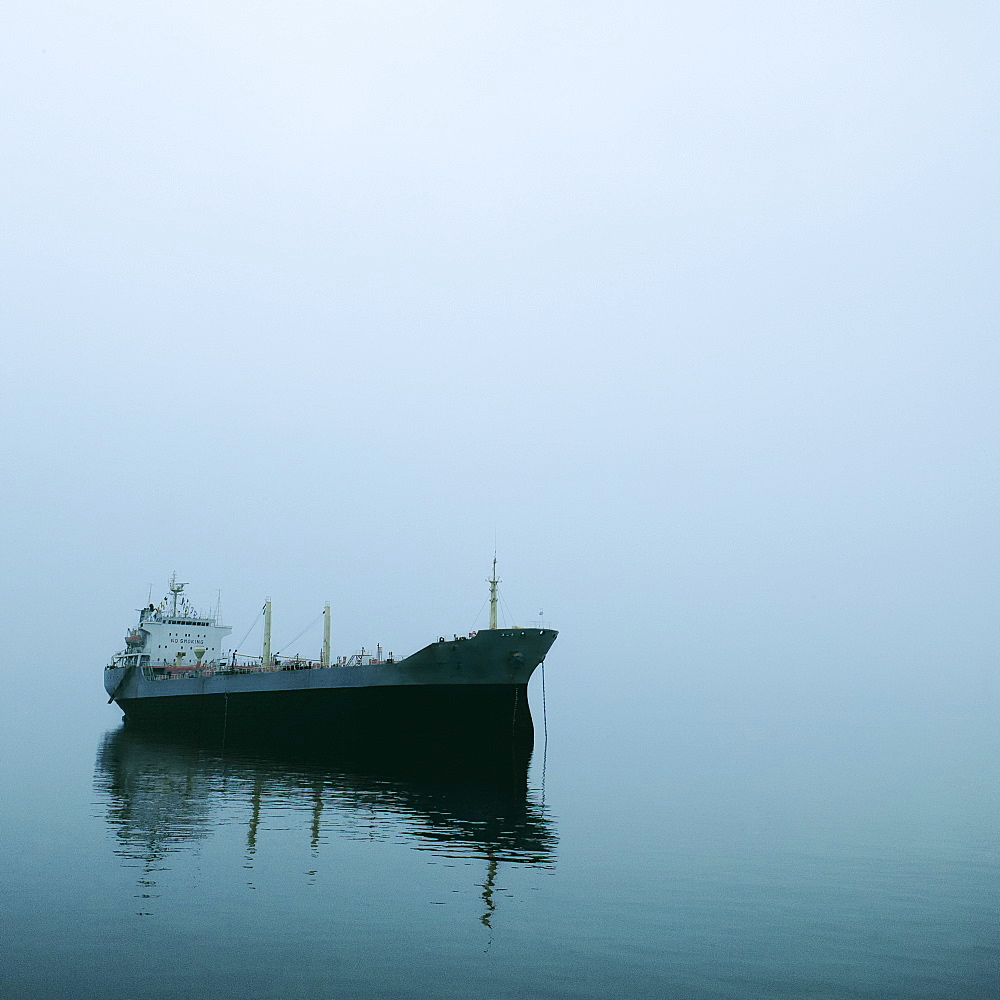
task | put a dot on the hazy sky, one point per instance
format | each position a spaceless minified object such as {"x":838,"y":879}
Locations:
{"x":690,"y":306}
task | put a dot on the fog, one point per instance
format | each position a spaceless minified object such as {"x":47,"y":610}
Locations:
{"x":687,"y":310}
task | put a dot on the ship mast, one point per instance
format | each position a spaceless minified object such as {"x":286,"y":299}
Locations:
{"x":325,"y":660}
{"x":175,"y":589}
{"x":493,"y":581}
{"x":265,"y":659}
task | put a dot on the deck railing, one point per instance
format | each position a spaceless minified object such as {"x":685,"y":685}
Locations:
{"x":168,"y":672}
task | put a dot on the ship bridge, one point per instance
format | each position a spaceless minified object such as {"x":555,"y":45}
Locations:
{"x":173,"y":635}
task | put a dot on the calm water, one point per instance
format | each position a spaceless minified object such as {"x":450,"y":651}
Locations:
{"x":669,"y":857}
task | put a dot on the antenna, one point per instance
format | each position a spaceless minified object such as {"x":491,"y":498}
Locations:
{"x":176,"y":589}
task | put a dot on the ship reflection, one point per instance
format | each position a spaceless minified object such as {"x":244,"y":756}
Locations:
{"x":167,"y":793}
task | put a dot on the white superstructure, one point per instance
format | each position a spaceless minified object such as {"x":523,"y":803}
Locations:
{"x":174,"y":635}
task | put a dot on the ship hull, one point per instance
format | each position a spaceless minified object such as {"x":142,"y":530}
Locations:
{"x":471,"y":690}
{"x":487,"y":712}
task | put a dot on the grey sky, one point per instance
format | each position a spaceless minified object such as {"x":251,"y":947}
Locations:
{"x":693,"y":305}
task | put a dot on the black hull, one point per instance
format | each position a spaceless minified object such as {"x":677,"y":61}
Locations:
{"x":486,"y":718}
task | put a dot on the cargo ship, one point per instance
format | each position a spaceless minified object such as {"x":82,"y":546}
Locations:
{"x":175,"y":671}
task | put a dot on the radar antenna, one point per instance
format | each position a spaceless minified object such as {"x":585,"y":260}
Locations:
{"x":176,"y":589}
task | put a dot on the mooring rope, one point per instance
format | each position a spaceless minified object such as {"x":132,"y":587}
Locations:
{"x":545,"y":731}
{"x":545,"y":714}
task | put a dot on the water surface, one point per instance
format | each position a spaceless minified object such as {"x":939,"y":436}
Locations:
{"x":675,"y":857}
